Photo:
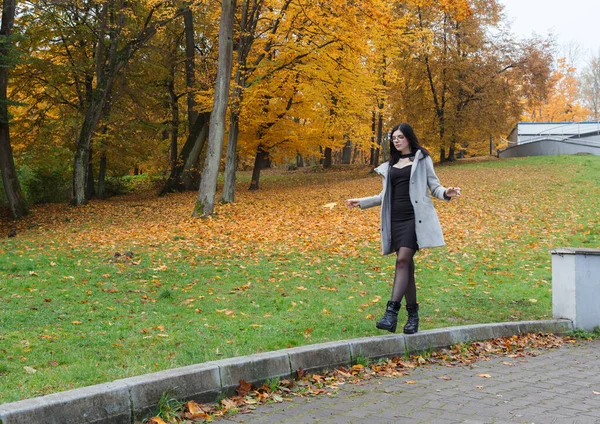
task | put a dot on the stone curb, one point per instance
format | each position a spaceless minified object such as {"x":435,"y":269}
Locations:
{"x":130,"y":399}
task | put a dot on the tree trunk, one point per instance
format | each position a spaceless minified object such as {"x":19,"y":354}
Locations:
{"x":191,"y":172}
{"x":327,"y":158}
{"x":190,"y":75}
{"x":379,"y":138}
{"x":228,"y":195}
{"x":208,"y":185}
{"x":451,"y":153}
{"x":442,"y":154}
{"x":174,"y":117}
{"x":299,"y":161}
{"x":182,"y":175}
{"x":373,"y":161}
{"x":259,"y":161}
{"x":347,"y":153}
{"x":12,"y":188}
{"x":102,"y":177}
{"x":89,"y":184}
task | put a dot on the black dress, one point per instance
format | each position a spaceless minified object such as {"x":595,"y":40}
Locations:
{"x":403,"y":214}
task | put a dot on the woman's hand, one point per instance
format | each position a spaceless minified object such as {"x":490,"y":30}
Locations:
{"x":352,"y":203}
{"x":453,"y":192}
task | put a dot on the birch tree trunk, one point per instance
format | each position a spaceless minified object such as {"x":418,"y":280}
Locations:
{"x":12,"y":188}
{"x":205,"y":204}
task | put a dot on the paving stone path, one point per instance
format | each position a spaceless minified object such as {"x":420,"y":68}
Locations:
{"x":557,"y":386}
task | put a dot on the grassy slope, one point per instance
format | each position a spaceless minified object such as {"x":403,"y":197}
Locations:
{"x":274,"y":270}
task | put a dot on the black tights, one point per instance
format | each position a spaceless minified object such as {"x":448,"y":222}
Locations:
{"x":404,"y":279}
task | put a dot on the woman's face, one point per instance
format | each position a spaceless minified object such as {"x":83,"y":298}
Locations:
{"x":400,"y":142}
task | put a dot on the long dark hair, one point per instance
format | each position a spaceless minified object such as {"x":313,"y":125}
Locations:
{"x":413,"y":142}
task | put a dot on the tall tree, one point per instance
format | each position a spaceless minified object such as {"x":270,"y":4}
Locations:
{"x":208,"y":184}
{"x":563,"y":102}
{"x":12,"y":188}
{"x":590,"y":87}
{"x":111,"y":58}
{"x":252,"y":12}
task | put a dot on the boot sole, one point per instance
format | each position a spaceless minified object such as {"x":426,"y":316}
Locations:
{"x":390,"y":329}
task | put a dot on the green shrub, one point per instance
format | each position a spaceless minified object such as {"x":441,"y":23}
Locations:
{"x":46,"y":185}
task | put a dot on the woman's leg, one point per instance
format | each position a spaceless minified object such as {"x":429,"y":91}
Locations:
{"x":411,"y":290}
{"x":404,"y":285}
{"x":404,"y":278}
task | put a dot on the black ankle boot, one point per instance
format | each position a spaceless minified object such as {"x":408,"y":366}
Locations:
{"x":412,"y":325}
{"x":390,"y":317}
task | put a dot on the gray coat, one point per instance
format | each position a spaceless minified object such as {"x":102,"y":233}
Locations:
{"x":422,"y":175}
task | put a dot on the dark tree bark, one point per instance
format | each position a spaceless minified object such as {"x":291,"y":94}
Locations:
{"x":299,"y":161}
{"x":327,"y":162}
{"x":451,"y":154}
{"x":102,"y":177}
{"x":12,"y":188}
{"x":174,"y":103}
{"x":89,"y":184}
{"x":191,"y":171}
{"x":372,"y":160}
{"x":259,"y":162}
{"x":182,"y":175}
{"x":208,"y":185}
{"x":190,"y":74}
{"x":347,"y":153}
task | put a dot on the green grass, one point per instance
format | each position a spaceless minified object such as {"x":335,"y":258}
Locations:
{"x":80,"y":317}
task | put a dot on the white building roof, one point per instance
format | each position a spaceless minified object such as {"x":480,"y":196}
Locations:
{"x":557,"y":128}
{"x":533,"y":131}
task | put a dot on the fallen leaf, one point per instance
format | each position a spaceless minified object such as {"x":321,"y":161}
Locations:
{"x":410,"y":382}
{"x":156,"y":420}
{"x":243,"y":388}
{"x":330,"y":205}
{"x":445,"y":377}
{"x":484,"y":375}
{"x":30,"y":370}
{"x":228,"y":404}
{"x":195,"y":411}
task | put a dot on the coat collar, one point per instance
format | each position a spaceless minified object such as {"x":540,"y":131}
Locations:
{"x":385,"y":166}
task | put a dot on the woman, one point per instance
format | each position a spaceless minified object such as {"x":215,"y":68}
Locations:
{"x":409,"y":221}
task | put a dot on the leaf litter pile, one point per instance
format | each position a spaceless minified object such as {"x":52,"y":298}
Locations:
{"x":248,"y":397}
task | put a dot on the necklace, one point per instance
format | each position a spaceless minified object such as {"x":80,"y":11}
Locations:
{"x":407,"y":155}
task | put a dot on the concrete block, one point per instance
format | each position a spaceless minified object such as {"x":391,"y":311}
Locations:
{"x":559,"y":326}
{"x":320,"y":356}
{"x":195,"y":382}
{"x":504,"y":329}
{"x":428,"y":340}
{"x":99,"y":404}
{"x":254,"y":369}
{"x":378,"y":347}
{"x":576,"y":286}
{"x":469,"y":333}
